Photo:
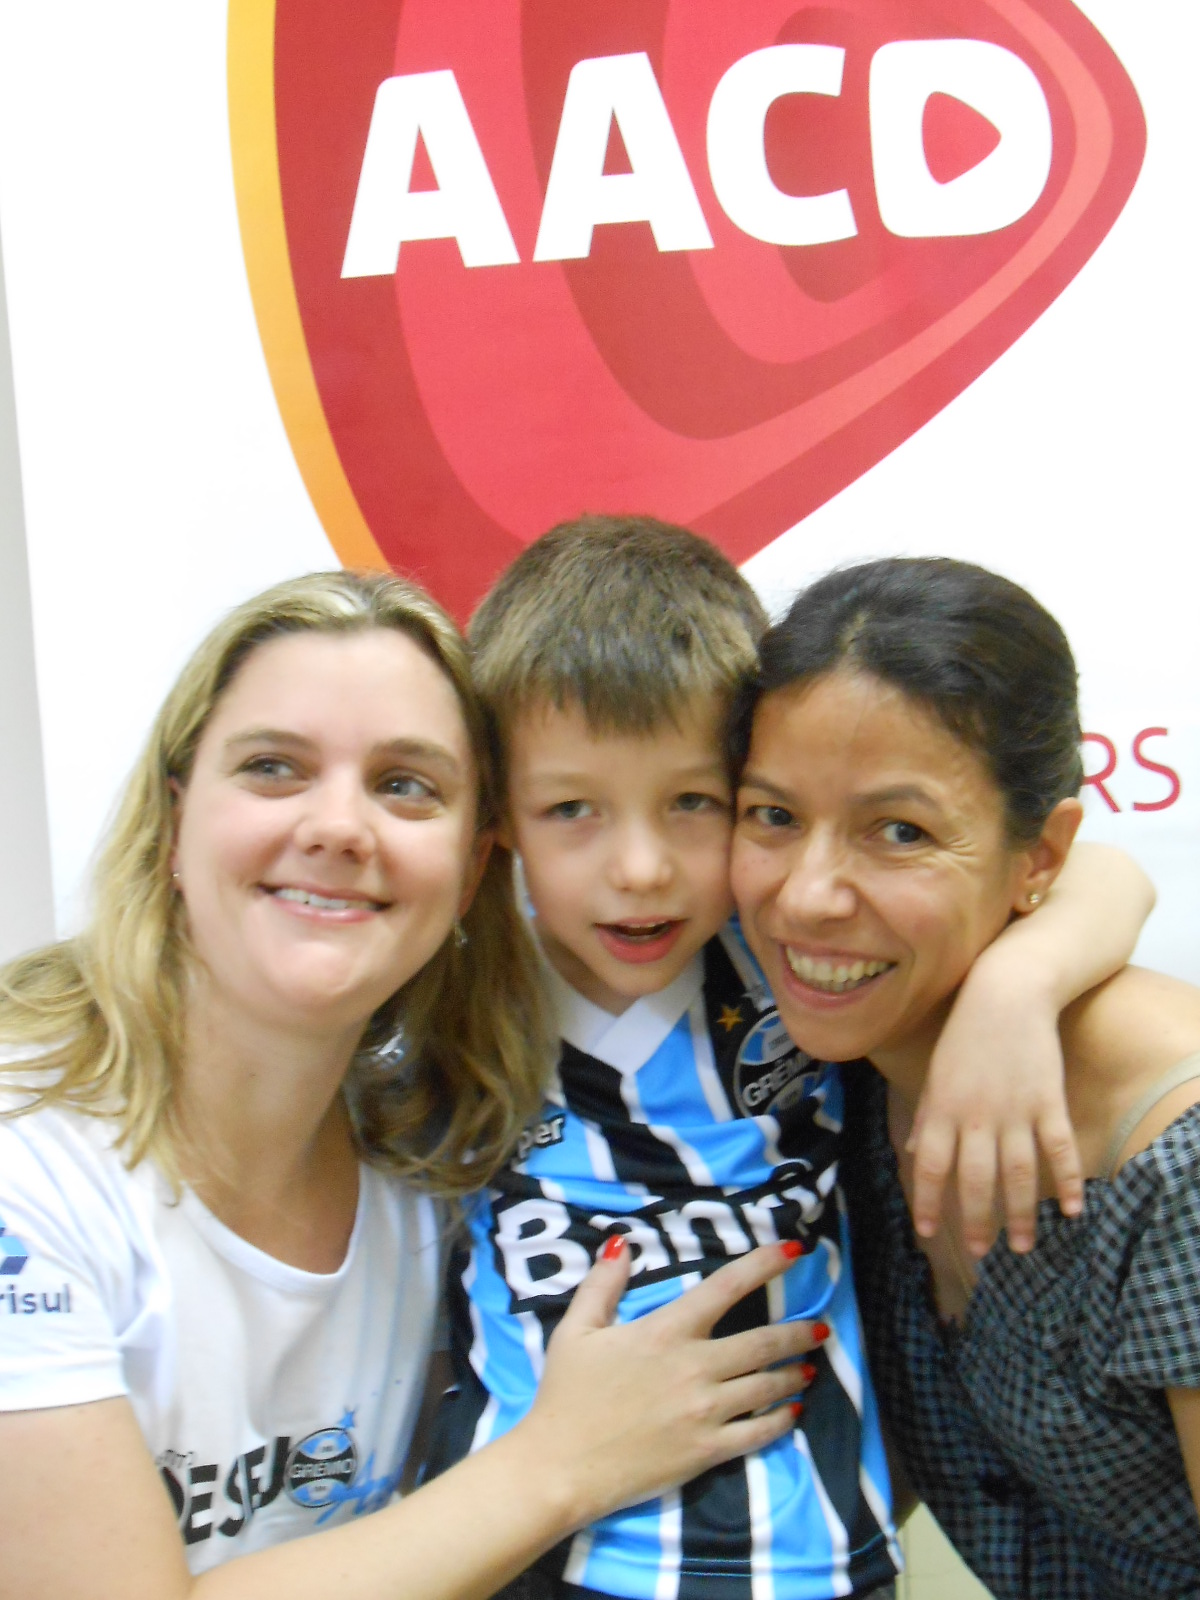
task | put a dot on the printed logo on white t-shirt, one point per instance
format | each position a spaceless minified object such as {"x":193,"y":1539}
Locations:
{"x":321,"y":1472}
{"x":323,"y":1466}
{"x":14,"y":1255}
{"x":14,"y":1258}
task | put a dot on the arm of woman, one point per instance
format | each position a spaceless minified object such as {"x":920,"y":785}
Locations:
{"x":995,"y":1090}
{"x":623,"y":1412}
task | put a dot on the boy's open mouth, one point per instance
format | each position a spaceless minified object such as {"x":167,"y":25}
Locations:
{"x":639,"y":941}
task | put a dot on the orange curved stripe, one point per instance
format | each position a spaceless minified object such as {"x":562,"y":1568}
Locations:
{"x":251,"y":78}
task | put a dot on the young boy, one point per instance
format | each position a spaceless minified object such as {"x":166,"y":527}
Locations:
{"x":682,"y":1117}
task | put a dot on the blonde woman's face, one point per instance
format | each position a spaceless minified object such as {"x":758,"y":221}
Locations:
{"x":326,"y":839}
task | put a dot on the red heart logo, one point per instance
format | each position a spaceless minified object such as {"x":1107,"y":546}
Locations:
{"x":519,"y":260}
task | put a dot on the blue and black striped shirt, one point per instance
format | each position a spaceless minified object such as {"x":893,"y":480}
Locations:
{"x":693,"y":1125}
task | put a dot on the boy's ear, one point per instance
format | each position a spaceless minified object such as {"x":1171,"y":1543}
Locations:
{"x":1043,"y":860}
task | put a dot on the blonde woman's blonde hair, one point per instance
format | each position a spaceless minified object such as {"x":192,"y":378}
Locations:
{"x":449,"y":1069}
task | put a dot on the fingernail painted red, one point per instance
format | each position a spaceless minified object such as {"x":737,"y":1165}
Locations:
{"x":821,"y":1331}
{"x":792,"y":1249}
{"x":797,"y":1408}
{"x":613,"y":1246}
{"x":808,"y":1372}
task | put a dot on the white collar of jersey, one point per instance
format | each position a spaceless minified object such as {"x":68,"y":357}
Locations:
{"x":628,"y":1041}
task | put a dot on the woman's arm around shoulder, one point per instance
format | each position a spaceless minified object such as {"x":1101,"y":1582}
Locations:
{"x":623,"y":1413}
{"x":995,"y":1092}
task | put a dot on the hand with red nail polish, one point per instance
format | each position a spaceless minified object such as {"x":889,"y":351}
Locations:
{"x":625,"y":1412}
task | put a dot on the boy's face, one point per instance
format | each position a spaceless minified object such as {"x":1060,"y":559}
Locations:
{"x":625,"y":844}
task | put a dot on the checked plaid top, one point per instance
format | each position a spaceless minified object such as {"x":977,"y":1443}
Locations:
{"x":1038,"y":1432}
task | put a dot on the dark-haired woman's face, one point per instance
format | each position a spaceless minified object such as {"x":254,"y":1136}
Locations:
{"x":870,"y":864}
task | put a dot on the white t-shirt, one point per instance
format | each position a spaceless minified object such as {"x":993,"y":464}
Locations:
{"x":275,"y":1401}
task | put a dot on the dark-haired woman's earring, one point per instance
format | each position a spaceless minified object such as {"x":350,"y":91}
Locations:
{"x":175,"y":882}
{"x":1033,"y":900}
{"x":460,"y":935}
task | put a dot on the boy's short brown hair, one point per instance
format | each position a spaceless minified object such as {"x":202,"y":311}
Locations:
{"x":627,"y":618}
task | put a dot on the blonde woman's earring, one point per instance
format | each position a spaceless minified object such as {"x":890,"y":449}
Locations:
{"x":1033,"y":900}
{"x":461,"y":936}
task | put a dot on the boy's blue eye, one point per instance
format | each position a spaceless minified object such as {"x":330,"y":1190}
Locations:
{"x":769,"y":816}
{"x":569,"y":810}
{"x":405,"y":786}
{"x":903,"y":833}
{"x":698,"y":802}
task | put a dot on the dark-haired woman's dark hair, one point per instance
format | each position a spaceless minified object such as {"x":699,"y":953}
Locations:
{"x":975,"y":649}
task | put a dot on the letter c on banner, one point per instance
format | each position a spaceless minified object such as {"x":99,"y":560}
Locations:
{"x":992,"y":81}
{"x":737,"y":158}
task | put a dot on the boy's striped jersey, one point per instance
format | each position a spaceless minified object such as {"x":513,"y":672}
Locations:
{"x":693,"y":1125}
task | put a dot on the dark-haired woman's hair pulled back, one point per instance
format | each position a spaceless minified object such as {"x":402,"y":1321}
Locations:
{"x":975,"y":649}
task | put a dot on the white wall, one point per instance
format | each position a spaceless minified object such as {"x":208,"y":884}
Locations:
{"x":26,"y":903}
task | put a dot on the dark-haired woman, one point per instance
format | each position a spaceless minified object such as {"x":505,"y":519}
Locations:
{"x":910,"y":786}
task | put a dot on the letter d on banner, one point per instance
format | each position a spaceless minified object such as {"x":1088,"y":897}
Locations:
{"x":992,"y":81}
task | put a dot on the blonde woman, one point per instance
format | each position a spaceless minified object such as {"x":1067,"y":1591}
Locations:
{"x":303,"y":1008}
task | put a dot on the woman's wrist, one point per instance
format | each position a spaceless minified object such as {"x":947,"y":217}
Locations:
{"x":1021,"y":967}
{"x":554,"y":1482}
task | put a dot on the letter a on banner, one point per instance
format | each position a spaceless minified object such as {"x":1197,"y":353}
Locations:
{"x":581,"y":194}
{"x":464,"y":206}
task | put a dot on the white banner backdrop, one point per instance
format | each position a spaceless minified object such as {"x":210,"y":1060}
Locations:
{"x":160,"y":486}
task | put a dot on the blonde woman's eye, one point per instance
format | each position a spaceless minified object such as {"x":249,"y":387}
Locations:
{"x":903,"y":833}
{"x":407,"y":786}
{"x":268,"y":767}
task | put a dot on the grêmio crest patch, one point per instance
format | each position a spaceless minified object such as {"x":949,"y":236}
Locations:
{"x":515,"y":259}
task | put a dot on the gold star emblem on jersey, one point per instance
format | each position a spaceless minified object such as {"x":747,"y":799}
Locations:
{"x":730,"y":1017}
